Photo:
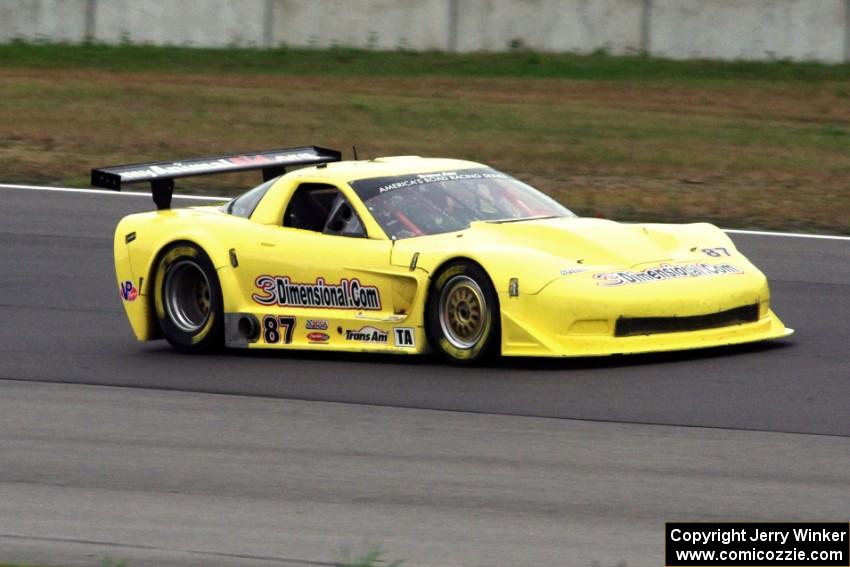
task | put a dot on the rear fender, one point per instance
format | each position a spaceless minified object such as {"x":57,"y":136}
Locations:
{"x":137,"y":256}
{"x":130,"y":286}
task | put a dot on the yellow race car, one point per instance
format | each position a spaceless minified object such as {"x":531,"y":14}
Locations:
{"x":404,"y":254}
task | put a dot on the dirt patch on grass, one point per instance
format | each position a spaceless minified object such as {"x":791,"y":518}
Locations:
{"x":770,"y":155}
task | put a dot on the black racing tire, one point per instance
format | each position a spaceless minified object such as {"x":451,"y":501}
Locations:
{"x":462,"y":314}
{"x":187,"y":300}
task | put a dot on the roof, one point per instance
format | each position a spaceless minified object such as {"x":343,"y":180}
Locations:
{"x":382,"y":167}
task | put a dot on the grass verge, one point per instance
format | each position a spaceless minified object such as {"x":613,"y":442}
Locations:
{"x":401,"y":63}
{"x":746,"y":145}
{"x":371,"y":555}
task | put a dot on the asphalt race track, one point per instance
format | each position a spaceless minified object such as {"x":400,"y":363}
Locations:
{"x":110,"y":448}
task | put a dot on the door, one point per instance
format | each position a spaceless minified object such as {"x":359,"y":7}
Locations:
{"x":319,"y":262}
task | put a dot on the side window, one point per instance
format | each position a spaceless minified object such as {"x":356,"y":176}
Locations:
{"x":244,"y":205}
{"x":322,"y":208}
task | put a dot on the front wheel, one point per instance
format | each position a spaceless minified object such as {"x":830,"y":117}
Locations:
{"x":187,"y":299}
{"x":463,"y":314}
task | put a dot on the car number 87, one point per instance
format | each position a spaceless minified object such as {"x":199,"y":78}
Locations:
{"x":718,"y":252}
{"x":274,"y":327}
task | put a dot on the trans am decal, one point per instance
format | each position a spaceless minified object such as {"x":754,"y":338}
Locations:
{"x":665,"y":272}
{"x":367,"y":335}
{"x":347,"y":294}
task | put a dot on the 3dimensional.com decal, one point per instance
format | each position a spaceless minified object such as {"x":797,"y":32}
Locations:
{"x":665,"y":272}
{"x":347,"y":294}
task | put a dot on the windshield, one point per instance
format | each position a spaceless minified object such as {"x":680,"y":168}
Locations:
{"x":447,"y":201}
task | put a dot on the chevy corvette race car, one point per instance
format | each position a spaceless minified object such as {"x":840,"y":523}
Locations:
{"x":405,"y":254}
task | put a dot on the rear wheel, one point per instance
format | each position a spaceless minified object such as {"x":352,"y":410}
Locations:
{"x":187,"y":299}
{"x":463,"y":314}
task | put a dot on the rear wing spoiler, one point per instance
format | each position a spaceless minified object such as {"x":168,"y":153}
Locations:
{"x":162,"y":174}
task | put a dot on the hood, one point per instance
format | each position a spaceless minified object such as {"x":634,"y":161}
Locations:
{"x":590,"y":242}
{"x":539,"y":251}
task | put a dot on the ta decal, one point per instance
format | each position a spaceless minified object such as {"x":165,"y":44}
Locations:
{"x":405,"y":337}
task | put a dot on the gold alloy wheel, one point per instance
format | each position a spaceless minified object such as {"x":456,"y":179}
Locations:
{"x":463,"y":311}
{"x":187,"y":296}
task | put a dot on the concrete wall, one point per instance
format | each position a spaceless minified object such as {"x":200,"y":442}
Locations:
{"x":204,"y":23}
{"x":750,"y":29}
{"x":372,"y":24}
{"x":579,"y":26}
{"x":681,"y":29}
{"x":47,"y":20}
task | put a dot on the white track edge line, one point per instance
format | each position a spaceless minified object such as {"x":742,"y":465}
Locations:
{"x":214,"y":198}
{"x":786,"y":234}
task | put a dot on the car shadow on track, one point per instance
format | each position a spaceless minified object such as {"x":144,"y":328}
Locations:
{"x":504,"y":363}
{"x":624,"y":360}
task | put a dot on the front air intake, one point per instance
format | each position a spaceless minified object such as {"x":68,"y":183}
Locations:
{"x":632,"y":326}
